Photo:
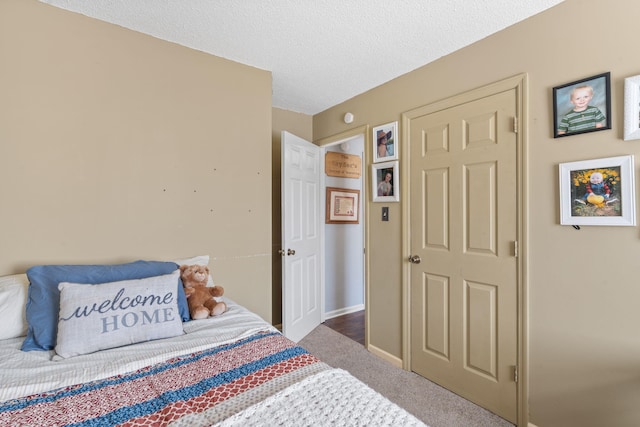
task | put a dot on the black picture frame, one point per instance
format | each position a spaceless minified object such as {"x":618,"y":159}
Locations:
{"x":563,"y":106}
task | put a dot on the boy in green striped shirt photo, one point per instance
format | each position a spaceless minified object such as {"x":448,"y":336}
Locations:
{"x":583,"y":116}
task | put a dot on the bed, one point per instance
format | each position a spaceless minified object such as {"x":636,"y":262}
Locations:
{"x":227,"y":370}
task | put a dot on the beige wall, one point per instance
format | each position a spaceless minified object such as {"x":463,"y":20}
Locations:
{"x":117,"y":146}
{"x":584,"y":292}
{"x":300,"y":125}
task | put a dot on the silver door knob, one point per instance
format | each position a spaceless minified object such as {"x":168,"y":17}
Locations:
{"x":414,"y":259}
{"x":281,"y":252}
{"x":291,"y":252}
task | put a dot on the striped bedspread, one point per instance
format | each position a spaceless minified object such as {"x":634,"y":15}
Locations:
{"x":200,"y":388}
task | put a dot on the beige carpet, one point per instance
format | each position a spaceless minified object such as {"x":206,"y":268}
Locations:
{"x":434,"y":405}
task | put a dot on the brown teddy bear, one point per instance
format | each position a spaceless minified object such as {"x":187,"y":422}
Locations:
{"x":201,"y":299}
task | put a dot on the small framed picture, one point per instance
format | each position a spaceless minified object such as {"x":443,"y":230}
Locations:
{"x":385,"y":182}
{"x":598,"y":192}
{"x":343,"y":205}
{"x":632,"y":108}
{"x":582,"y":106}
{"x":385,"y":142}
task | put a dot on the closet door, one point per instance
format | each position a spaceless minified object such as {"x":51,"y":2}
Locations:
{"x":464,"y":282}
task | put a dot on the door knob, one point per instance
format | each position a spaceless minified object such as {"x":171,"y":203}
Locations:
{"x":414,"y":259}
{"x":281,"y":252}
{"x":291,"y":252}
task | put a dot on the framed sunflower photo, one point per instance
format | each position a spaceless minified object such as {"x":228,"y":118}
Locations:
{"x":598,"y":192}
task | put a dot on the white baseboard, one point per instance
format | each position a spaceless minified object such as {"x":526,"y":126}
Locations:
{"x":342,"y":311}
{"x":395,"y":361}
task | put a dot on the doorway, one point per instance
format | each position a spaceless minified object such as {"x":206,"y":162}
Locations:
{"x":340,"y":284}
{"x":344,"y":243}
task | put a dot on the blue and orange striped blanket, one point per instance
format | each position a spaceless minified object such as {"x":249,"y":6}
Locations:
{"x":200,"y":388}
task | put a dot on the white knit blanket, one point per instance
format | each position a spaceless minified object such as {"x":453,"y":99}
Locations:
{"x":332,"y":397}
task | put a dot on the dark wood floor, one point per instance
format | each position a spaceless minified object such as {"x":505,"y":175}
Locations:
{"x":350,"y":325}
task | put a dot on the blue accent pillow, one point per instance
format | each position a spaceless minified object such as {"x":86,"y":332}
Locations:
{"x":43,"y":303}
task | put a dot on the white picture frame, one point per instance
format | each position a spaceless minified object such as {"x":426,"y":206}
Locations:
{"x":632,"y":108}
{"x":380,"y":172}
{"x":618,"y":207}
{"x":388,"y":131}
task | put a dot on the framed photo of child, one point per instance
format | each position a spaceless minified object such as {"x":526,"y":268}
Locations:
{"x":582,"y":106}
{"x":598,"y":192}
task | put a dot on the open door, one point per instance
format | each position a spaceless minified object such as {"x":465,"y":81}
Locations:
{"x":301,"y":245}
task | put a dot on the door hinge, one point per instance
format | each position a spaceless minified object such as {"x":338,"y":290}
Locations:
{"x":515,"y":248}
{"x":515,"y":373}
{"x":515,"y":125}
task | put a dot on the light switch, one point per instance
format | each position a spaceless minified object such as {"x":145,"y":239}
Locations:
{"x":385,"y":213}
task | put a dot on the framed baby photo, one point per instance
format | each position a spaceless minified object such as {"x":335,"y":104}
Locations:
{"x":385,"y":185}
{"x":632,"y":108}
{"x":582,"y":106}
{"x":598,"y":192}
{"x":385,"y":142}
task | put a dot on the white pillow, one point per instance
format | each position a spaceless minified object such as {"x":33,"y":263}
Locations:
{"x":97,"y":317}
{"x":13,"y":299}
{"x":197,"y":260}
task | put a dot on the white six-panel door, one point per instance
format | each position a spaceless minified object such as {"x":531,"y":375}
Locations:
{"x":301,"y":244}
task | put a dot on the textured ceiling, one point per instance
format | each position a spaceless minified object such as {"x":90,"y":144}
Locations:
{"x":320,"y":52}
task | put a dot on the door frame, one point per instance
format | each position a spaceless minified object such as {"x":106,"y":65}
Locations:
{"x":519,"y":83}
{"x":335,"y":139}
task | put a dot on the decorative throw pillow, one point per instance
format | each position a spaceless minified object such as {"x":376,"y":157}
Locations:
{"x":43,"y":303}
{"x":108,"y":315}
{"x":13,"y":298}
